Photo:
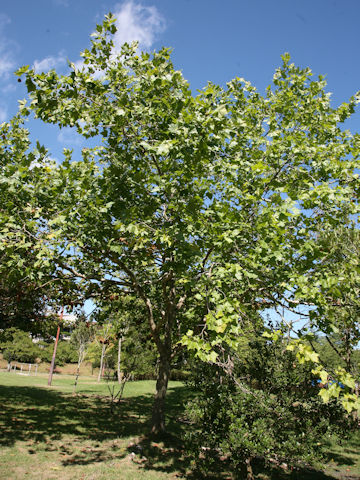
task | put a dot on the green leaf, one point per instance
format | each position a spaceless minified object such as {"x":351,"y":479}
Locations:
{"x":31,"y":87}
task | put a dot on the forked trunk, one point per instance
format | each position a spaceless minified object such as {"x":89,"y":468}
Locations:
{"x":158,"y":414}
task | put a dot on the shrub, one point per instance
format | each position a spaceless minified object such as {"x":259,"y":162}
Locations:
{"x":17,"y":345}
{"x":270,"y":411}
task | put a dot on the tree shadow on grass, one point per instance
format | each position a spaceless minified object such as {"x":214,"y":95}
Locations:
{"x":298,"y":473}
{"x":344,"y":457}
{"x":30,"y":413}
{"x":82,"y":430}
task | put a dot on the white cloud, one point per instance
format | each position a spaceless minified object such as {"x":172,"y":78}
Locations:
{"x":50,"y":62}
{"x":69,"y":136}
{"x":133,"y":22}
{"x":137,"y":22}
{"x":7,"y":62}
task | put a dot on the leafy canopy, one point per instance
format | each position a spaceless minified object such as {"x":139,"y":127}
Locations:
{"x":207,"y":206}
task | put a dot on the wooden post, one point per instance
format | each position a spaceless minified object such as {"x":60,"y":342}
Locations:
{"x":55,"y":347}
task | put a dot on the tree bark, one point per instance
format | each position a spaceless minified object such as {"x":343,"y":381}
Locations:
{"x":80,"y":360}
{"x":158,"y":413}
{"x":164,"y":347}
{"x":249,"y":470}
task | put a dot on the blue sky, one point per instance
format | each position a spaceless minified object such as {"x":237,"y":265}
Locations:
{"x":212,"y":39}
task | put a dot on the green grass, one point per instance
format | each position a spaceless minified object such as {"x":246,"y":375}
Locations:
{"x":49,"y":433}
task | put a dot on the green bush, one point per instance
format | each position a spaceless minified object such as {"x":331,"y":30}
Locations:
{"x":179,"y":374}
{"x":66,"y":353}
{"x":263,"y":405}
{"x":45,"y":351}
{"x":17,"y":345}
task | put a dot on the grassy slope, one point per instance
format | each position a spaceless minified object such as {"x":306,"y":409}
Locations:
{"x":48,"y":433}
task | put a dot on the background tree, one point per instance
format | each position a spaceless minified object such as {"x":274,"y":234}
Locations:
{"x":17,"y":345}
{"x":131,"y":351}
{"x":65,"y":352}
{"x":331,"y":351}
{"x":81,"y":337}
{"x":206,"y":207}
{"x":103,"y":338}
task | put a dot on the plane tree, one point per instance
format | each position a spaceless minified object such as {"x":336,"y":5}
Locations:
{"x":207,"y":205}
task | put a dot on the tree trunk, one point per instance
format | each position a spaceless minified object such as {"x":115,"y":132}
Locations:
{"x":158,"y":414}
{"x":80,"y":359}
{"x":101,"y":362}
{"x":249,"y":470}
{"x":164,"y":348}
{"x":119,"y":360}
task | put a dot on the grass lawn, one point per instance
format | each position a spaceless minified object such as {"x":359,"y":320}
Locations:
{"x":49,"y":433}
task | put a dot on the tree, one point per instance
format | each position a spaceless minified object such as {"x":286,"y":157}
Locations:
{"x":103,"y":338}
{"x":343,"y":246}
{"x":65,"y":352}
{"x":334,"y":352}
{"x":206,"y":207}
{"x":131,"y":350}
{"x":18,"y":345}
{"x":81,"y":338}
